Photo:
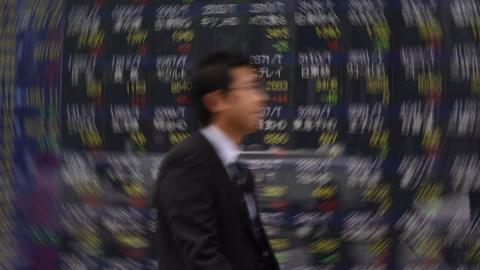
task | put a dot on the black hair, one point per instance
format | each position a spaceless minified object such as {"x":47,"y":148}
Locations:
{"x":211,"y":74}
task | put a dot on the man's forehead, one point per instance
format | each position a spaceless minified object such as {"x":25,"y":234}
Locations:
{"x":245,"y":74}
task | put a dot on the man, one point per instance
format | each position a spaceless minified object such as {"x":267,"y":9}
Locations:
{"x":207,"y":214}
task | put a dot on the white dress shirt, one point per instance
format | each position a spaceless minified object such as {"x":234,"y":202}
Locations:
{"x":228,"y":152}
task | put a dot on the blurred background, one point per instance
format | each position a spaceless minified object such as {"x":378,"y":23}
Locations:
{"x":366,"y":157}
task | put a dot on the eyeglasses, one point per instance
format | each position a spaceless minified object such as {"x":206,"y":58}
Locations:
{"x":256,"y":86}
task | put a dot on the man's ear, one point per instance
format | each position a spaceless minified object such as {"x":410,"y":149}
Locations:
{"x":214,"y":101}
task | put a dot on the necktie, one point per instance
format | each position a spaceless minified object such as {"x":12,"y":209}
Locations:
{"x":243,"y":181}
{"x":240,"y":176}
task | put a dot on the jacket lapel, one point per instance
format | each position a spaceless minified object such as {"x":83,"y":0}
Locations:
{"x":228,"y":186}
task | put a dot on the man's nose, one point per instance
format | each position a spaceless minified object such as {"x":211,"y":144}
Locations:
{"x":264,"y":97}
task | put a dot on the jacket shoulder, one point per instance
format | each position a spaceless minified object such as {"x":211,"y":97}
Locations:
{"x":194,"y":151}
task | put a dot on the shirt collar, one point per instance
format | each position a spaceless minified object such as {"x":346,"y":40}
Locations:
{"x":226,"y":149}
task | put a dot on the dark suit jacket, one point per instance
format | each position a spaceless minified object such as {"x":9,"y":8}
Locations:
{"x":202,"y":224}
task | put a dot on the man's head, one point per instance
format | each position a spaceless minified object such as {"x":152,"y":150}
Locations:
{"x":228,"y":92}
